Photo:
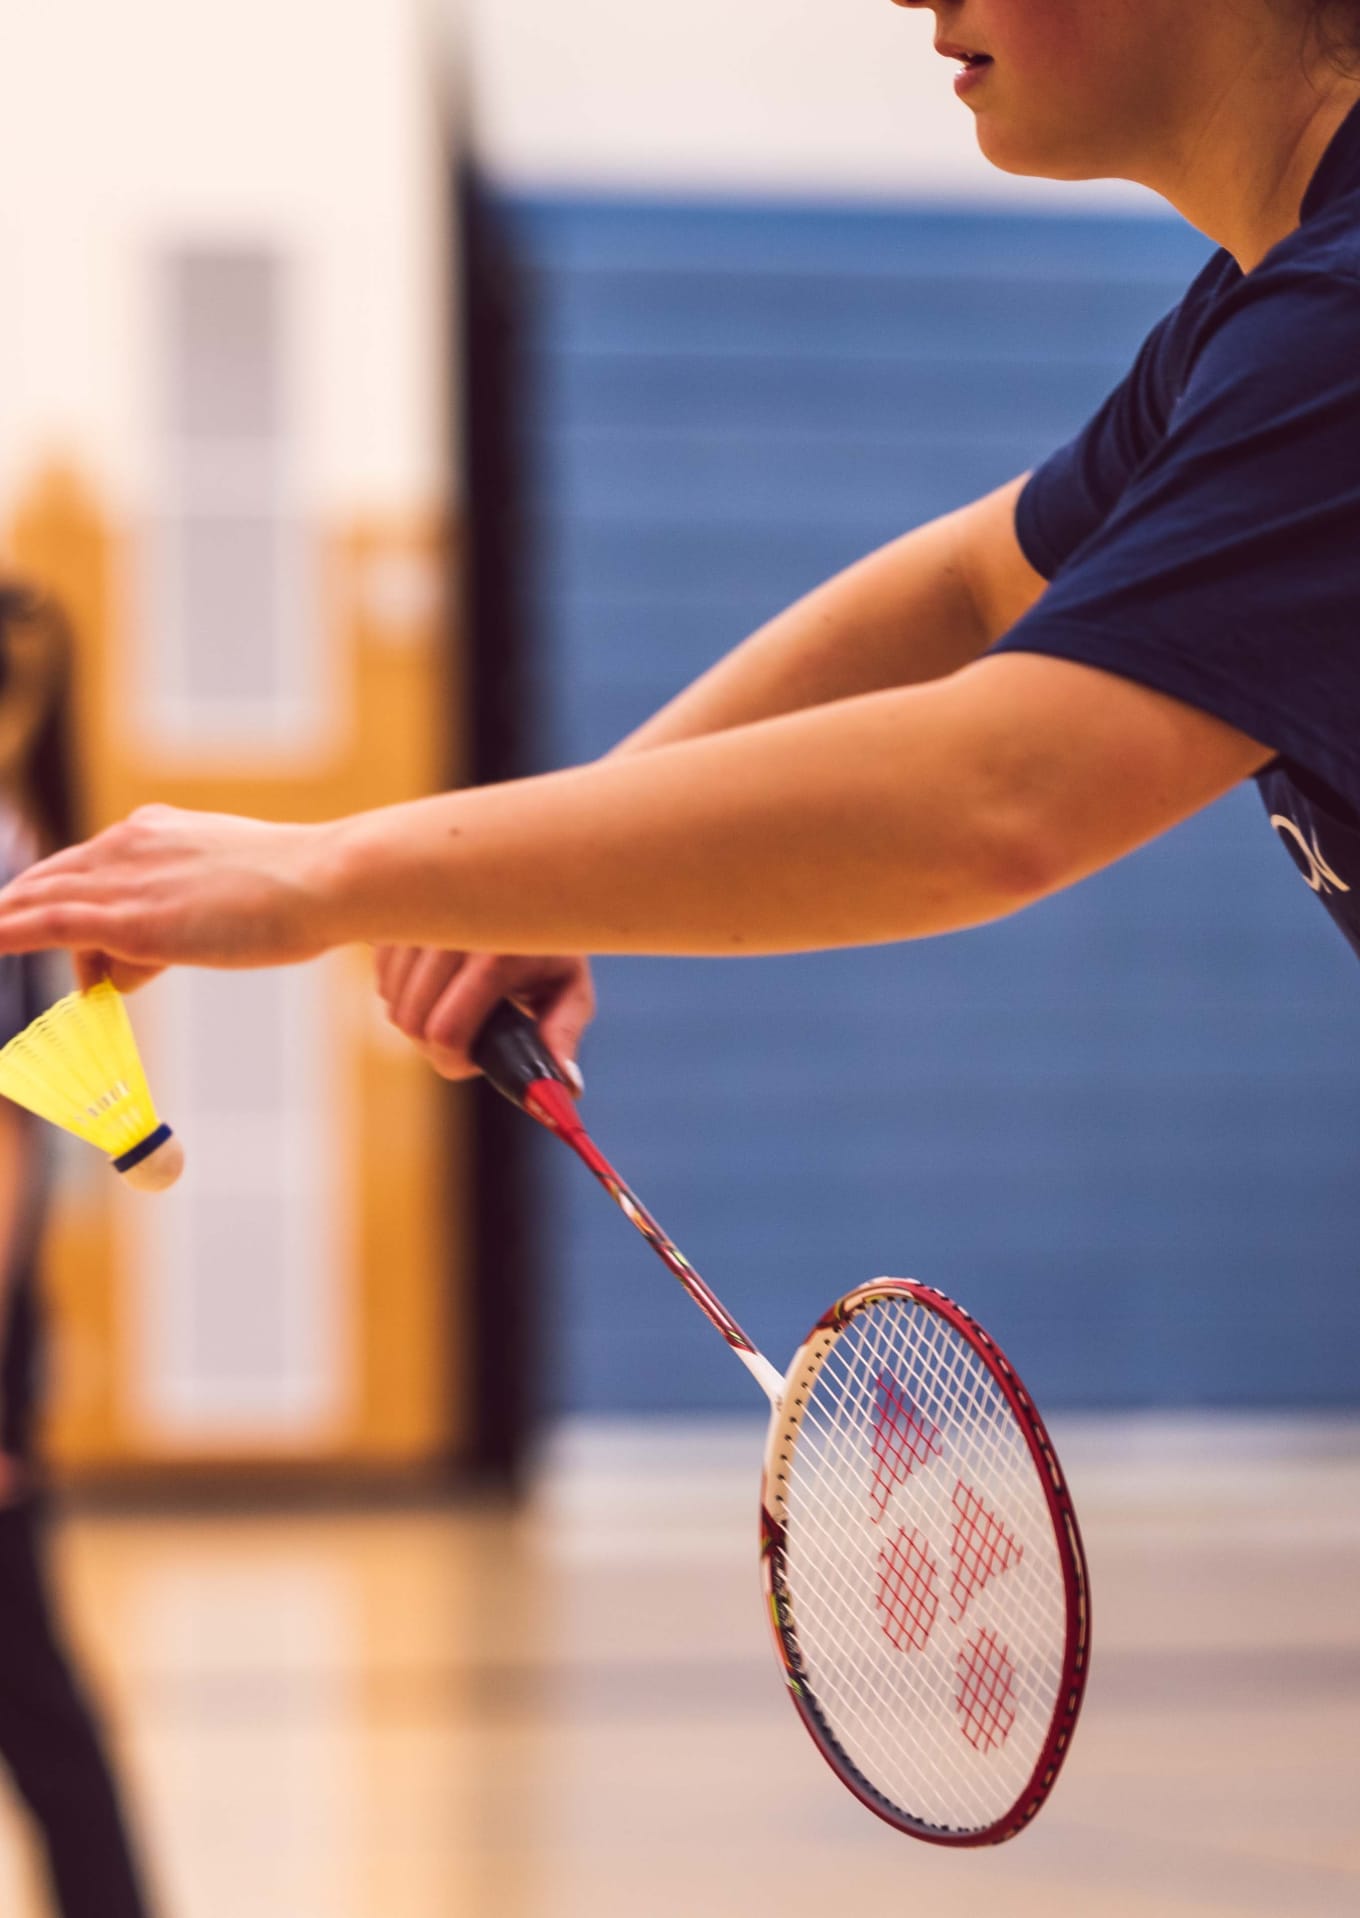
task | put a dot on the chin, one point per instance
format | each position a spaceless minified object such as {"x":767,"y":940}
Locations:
{"x":1036,"y":158}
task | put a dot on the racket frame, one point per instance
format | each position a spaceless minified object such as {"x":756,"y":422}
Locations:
{"x":781,"y":1443}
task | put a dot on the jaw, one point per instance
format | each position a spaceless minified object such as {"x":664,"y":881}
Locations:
{"x":1052,"y":131}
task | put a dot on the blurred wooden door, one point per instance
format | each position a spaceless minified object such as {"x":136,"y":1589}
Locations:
{"x":298,"y":1302}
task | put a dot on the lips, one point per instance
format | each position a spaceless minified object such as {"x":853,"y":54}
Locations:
{"x":968,"y":55}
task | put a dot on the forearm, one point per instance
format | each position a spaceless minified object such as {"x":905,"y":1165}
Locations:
{"x":890,"y":816}
{"x":904,"y":615}
{"x":867,"y":820}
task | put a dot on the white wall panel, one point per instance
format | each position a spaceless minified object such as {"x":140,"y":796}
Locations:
{"x":131,"y":129}
{"x":241,"y":1314}
{"x":799,"y":96}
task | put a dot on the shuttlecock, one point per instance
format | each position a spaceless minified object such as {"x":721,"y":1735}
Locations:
{"x":77,"y":1066}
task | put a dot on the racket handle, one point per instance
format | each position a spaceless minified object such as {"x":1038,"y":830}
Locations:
{"x":511,"y":1053}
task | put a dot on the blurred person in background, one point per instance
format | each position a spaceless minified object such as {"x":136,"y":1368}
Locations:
{"x":981,"y":714}
{"x":49,"y":1737}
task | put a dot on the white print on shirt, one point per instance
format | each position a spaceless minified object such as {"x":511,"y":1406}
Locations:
{"x":1317,"y":873}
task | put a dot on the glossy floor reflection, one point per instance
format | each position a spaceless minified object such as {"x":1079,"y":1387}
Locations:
{"x":573,"y":1712}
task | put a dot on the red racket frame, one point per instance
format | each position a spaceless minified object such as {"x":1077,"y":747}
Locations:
{"x":801,"y":1375}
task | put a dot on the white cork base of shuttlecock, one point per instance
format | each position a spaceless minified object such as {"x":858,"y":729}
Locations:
{"x":159,"y":1169}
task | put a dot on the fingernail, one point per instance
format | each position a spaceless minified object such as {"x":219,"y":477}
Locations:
{"x":574,"y":1079}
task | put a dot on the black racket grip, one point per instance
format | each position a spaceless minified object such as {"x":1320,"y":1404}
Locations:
{"x":511,"y":1053}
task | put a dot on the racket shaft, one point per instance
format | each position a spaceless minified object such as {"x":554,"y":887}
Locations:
{"x":548,"y":1102}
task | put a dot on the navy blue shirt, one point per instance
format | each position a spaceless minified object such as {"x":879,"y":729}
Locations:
{"x":1201,"y":534}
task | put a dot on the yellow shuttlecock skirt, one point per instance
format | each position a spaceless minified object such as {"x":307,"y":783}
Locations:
{"x":77,"y":1066}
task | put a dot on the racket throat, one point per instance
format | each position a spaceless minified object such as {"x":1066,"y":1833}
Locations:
{"x":770,"y":1381}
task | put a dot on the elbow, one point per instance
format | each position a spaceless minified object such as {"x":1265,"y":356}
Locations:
{"x":1018,"y":858}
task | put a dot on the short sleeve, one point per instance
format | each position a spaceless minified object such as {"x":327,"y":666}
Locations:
{"x":1066,"y":498}
{"x":1227,"y":570}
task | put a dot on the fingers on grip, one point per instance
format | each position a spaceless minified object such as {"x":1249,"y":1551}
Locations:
{"x":442,"y":1001}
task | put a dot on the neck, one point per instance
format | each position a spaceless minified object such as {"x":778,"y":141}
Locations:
{"x":1240,"y":171}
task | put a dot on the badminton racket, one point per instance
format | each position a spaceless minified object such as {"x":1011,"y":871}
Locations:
{"x":921,"y":1557}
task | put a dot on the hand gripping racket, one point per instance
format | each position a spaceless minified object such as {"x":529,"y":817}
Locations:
{"x":922,"y":1563}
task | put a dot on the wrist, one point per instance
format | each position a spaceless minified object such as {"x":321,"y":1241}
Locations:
{"x":335,"y":874}
{"x":360,"y":872}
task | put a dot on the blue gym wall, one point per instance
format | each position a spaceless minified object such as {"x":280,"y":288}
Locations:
{"x":1122,"y":1127}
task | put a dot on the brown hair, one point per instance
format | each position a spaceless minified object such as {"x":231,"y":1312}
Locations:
{"x":1335,"y":24}
{"x":37,"y":756}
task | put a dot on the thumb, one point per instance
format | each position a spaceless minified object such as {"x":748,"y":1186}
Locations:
{"x":92,"y":968}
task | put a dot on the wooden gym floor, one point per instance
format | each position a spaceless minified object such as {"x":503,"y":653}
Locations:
{"x":573,"y":1712}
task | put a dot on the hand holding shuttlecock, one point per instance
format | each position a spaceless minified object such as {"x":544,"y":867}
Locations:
{"x":77,"y":1066}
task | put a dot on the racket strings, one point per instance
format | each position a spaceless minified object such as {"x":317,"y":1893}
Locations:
{"x":923,"y":1583}
{"x":865,"y":1688}
{"x":948,"y":1380}
{"x":852,"y":1692}
{"x":855,"y":1684}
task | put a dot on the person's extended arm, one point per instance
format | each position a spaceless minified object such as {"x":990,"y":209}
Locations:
{"x":890,"y":816}
{"x":916,"y":610}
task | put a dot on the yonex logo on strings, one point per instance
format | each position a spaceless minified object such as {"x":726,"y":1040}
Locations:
{"x":908,"y":1584}
{"x":901,"y":1439}
{"x":1307,"y":856}
{"x":908,"y":1589}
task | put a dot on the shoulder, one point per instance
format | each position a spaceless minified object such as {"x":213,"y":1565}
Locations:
{"x":1204,"y":298}
{"x":1283,"y":345}
{"x":1169,"y":353}
{"x":1303,"y":299}
{"x":1327,"y":243}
